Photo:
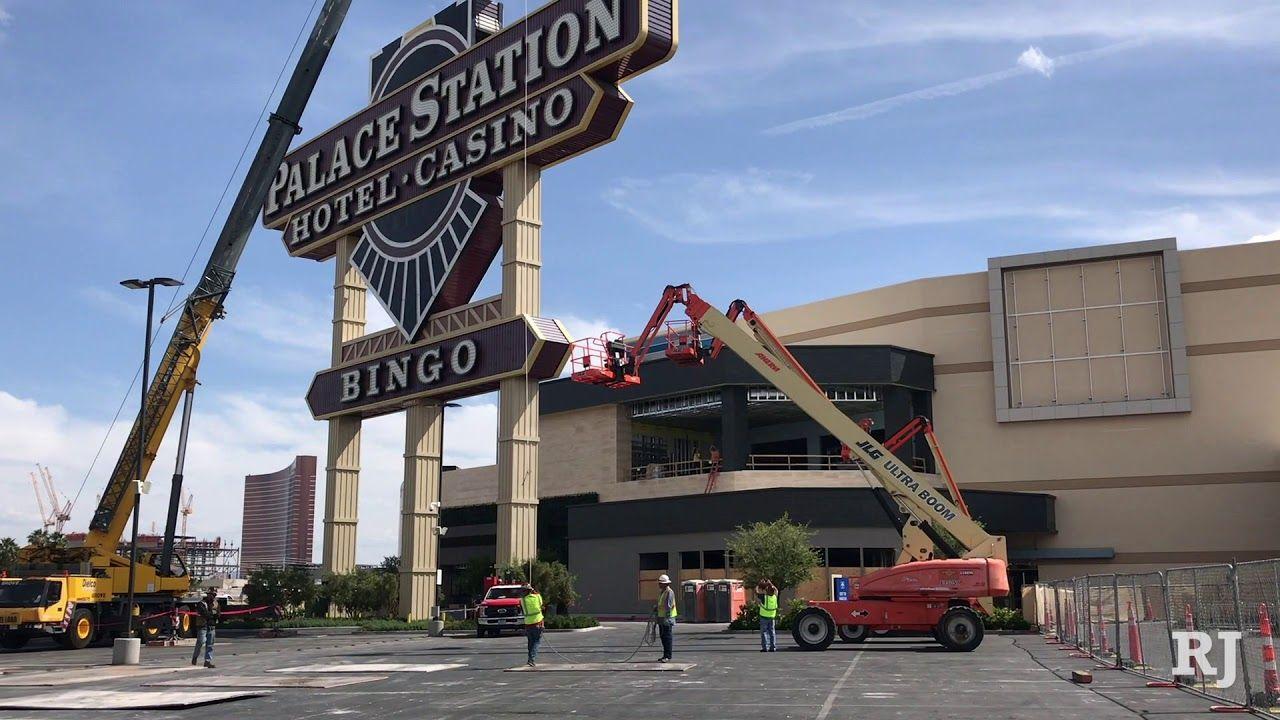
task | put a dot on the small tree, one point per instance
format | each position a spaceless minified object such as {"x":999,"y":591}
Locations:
{"x":8,"y":553}
{"x":551,"y":578}
{"x":779,"y":551}
{"x":44,"y":540}
{"x":471,"y":578}
{"x":292,"y":588}
{"x":390,"y":563}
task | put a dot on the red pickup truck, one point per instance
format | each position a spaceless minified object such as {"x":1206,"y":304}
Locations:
{"x":499,"y":610}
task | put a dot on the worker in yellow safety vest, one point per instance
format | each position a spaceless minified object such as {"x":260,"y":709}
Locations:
{"x":531,"y":605}
{"x":665,"y":613}
{"x":767,"y":597}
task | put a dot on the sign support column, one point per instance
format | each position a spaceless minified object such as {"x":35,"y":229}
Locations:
{"x":518,"y":396}
{"x":342,"y":471}
{"x":424,"y":438}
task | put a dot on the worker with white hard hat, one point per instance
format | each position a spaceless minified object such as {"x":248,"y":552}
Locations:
{"x":665,"y":611}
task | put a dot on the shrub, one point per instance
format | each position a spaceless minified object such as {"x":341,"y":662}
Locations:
{"x":1005,"y":619}
{"x":780,"y":551}
{"x":551,"y":578}
{"x":750,"y":617}
{"x":570,"y":622}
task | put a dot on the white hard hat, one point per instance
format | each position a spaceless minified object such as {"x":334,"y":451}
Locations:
{"x":664,"y":580}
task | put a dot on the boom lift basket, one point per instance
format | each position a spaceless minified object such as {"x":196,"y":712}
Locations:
{"x":598,"y":361}
{"x":684,"y":344}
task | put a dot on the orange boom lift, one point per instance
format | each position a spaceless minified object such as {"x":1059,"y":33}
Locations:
{"x":923,"y":593}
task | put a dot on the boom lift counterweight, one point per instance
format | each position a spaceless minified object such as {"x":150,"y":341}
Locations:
{"x":941,"y":596}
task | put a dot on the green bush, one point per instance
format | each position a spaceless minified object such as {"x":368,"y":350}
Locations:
{"x":750,"y":617}
{"x":1005,"y":619}
{"x":570,"y":622}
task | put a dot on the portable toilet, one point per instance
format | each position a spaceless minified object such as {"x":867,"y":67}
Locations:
{"x":735,"y":599}
{"x":717,"y":600}
{"x":694,"y":605}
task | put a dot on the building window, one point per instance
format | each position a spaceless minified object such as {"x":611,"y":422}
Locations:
{"x":713,"y":559}
{"x":1087,"y":332}
{"x":653,"y":561}
{"x":878,"y":557}
{"x":690,"y":560}
{"x":846,"y":557}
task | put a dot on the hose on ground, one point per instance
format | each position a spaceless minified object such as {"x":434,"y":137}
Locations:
{"x":648,"y":639}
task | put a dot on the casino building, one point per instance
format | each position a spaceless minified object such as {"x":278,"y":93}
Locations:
{"x":1106,"y":408}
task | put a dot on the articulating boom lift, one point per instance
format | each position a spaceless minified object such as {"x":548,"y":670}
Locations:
{"x":941,"y":596}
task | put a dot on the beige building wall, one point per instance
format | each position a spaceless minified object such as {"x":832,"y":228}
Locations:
{"x":1160,"y":489}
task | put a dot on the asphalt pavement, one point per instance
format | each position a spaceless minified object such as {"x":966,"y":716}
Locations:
{"x":463,"y":677}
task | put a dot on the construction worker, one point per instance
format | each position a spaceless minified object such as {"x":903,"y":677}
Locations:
{"x":531,"y":605}
{"x":210,"y":613}
{"x":665,"y":611}
{"x":767,"y":595}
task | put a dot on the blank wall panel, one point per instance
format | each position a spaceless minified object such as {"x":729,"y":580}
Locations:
{"x":1065,"y":287}
{"x":1146,"y":377}
{"x":1068,"y":334}
{"x":1030,"y":290}
{"x":1105,"y":337}
{"x":1108,"y":379}
{"x":1101,"y":286}
{"x":1034,"y":341}
{"x":1073,"y":381}
{"x":1037,"y":384}
{"x":1142,"y":328}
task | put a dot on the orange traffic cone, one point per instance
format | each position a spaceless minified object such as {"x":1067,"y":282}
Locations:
{"x":1190,"y":621}
{"x":1270,"y":679}
{"x":1148,"y":614}
{"x":1135,"y":640}
{"x":1102,"y":630}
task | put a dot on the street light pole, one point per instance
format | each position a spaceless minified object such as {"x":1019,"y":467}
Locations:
{"x":150,"y":286}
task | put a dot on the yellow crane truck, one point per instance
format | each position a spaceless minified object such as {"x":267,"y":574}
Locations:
{"x":77,"y":595}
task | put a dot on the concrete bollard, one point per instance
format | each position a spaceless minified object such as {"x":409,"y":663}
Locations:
{"x":126,"y":651}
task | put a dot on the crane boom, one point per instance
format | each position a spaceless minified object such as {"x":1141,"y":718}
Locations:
{"x":177,"y":368}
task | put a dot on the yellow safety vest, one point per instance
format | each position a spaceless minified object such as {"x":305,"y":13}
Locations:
{"x":531,"y":604}
{"x":769,"y":608}
{"x":661,"y":597}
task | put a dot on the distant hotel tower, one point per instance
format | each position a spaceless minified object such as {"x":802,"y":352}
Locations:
{"x":279,"y":514}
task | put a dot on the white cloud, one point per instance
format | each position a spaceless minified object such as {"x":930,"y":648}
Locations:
{"x":1034,"y":59}
{"x":1204,"y":183}
{"x":1195,"y":225}
{"x":754,"y":205}
{"x":232,"y":435}
{"x":5,"y":17}
{"x":1036,"y":62}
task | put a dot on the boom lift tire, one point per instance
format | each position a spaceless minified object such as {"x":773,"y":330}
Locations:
{"x":80,"y":630}
{"x":960,"y":630}
{"x":813,"y":629}
{"x":13,"y":641}
{"x":854,"y":633}
{"x":185,"y":630}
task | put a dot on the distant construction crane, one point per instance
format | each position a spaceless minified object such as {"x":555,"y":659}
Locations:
{"x":186,"y":511}
{"x":59,"y":512}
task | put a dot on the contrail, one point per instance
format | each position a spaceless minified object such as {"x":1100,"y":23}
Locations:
{"x":956,"y":87}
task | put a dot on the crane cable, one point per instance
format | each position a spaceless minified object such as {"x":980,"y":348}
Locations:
{"x":169,"y":309}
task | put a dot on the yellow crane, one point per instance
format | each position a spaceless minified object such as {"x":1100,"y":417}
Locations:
{"x":77,"y":595}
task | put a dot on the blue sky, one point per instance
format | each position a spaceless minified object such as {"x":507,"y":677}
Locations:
{"x":779,"y":157}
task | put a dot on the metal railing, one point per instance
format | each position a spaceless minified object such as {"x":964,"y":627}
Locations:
{"x":1129,"y":620}
{"x":679,"y":468}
